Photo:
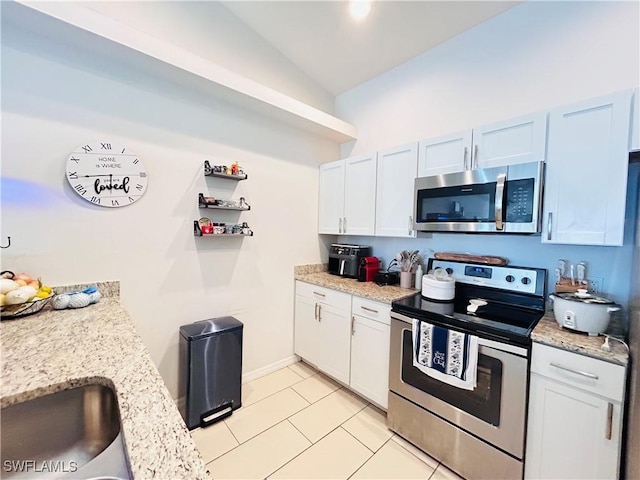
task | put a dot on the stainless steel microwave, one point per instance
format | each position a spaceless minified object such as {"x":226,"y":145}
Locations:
{"x":490,"y":200}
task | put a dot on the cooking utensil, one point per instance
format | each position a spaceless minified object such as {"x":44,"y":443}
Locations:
{"x":558,"y":275}
{"x":572,"y":275}
{"x":466,"y":257}
{"x":583,"y":312}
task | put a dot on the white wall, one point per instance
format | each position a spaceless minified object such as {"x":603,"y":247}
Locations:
{"x":56,"y":98}
{"x":210,"y":30}
{"x":535,"y":56}
{"x":532,"y":57}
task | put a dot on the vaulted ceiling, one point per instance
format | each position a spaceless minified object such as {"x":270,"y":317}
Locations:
{"x":338,"y":52}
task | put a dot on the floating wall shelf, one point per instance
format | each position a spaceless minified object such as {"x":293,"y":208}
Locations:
{"x":73,"y":23}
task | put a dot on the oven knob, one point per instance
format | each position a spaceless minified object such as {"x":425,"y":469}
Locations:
{"x":510,"y":278}
{"x":449,"y":270}
{"x":526,"y":280}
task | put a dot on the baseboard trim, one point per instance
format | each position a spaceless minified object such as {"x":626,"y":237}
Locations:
{"x":267,"y":369}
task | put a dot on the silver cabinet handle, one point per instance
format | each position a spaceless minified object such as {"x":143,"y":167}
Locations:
{"x":319,"y":294}
{"x":319,"y":312}
{"x":344,"y":225}
{"x":475,"y":157}
{"x":549,"y":225}
{"x":340,"y":225}
{"x":609,"y":430}
{"x":577,"y":372}
{"x":315,"y":312}
{"x":466,"y":158}
{"x":369,"y":309}
{"x":502,"y":178}
{"x":353,"y":325}
{"x":410,"y":225}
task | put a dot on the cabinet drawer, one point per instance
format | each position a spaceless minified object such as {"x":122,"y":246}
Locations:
{"x":589,"y":374}
{"x":337,"y":299}
{"x":371,"y":309}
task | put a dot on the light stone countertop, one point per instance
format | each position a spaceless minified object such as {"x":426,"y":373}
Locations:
{"x":56,"y":350}
{"x":550,"y":333}
{"x":547,"y":331}
{"x":316,"y":275}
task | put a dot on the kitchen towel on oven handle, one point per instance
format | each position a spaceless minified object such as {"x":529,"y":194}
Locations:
{"x":445,"y":355}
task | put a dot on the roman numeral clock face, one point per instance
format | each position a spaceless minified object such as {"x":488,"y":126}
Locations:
{"x":106,"y":174}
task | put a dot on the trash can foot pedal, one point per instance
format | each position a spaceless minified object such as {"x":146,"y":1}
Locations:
{"x":223,"y":411}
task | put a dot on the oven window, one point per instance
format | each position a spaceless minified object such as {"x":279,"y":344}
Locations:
{"x":483,"y":402}
{"x":472,"y":203}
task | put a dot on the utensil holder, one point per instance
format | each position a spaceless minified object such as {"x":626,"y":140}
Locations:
{"x":406,"y":279}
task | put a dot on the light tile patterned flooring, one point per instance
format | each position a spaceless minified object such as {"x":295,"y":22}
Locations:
{"x":297,"y":423}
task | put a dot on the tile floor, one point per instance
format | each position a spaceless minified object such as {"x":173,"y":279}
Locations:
{"x":297,"y":423}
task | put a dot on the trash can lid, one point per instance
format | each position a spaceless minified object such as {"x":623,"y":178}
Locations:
{"x":213,"y":326}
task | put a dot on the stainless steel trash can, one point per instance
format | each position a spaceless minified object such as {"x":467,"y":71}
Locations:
{"x":210,"y":370}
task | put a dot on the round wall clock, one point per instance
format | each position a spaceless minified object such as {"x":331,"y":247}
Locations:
{"x":106,"y":174}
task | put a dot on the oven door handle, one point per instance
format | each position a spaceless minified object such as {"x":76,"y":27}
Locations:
{"x":499,"y":202}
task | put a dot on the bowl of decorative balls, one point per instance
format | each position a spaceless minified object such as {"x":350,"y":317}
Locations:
{"x":21,"y":295}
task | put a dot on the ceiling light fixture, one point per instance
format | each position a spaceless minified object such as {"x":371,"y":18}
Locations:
{"x":359,"y":9}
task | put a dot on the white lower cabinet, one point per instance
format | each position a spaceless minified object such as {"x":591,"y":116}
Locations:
{"x":346,"y":337}
{"x":575,"y":416}
{"x":370,"y":350}
{"x":322,"y":334}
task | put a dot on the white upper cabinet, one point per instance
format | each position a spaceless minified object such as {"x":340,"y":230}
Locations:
{"x":397,"y":168}
{"x":447,"y":154}
{"x":586,"y":179}
{"x":347,"y":196}
{"x":635,"y":122}
{"x":331,"y":197}
{"x":360,"y":195}
{"x":519,"y":140}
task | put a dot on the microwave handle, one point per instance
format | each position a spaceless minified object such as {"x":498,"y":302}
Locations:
{"x":500,"y":201}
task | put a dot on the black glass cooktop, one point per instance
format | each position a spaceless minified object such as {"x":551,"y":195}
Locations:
{"x":502,"y":320}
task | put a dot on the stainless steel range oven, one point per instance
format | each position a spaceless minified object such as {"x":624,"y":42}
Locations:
{"x":478,"y":433}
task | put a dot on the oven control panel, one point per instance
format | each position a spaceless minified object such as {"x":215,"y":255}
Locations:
{"x":515,"y":279}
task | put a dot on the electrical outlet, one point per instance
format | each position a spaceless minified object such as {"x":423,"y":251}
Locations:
{"x":595,"y":285}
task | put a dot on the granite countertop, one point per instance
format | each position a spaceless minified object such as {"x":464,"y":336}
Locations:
{"x":58,"y":349}
{"x":317,"y":275}
{"x":550,"y":333}
{"x":547,"y":331}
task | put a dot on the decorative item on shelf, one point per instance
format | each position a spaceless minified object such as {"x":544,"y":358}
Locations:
{"x":206,"y":226}
{"x":211,"y":202}
{"x":233,"y":172}
{"x":221,"y":229}
{"x":80,"y":299}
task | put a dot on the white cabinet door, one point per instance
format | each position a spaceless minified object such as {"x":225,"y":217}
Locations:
{"x":370,"y":359}
{"x":334,"y":341}
{"x":518,"y":140}
{"x":571,"y":434}
{"x":331,"y":197}
{"x":360,"y":195}
{"x":306,"y":330}
{"x":397,"y":168}
{"x":635,"y":122}
{"x":586,"y":174}
{"x":447,"y":154}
